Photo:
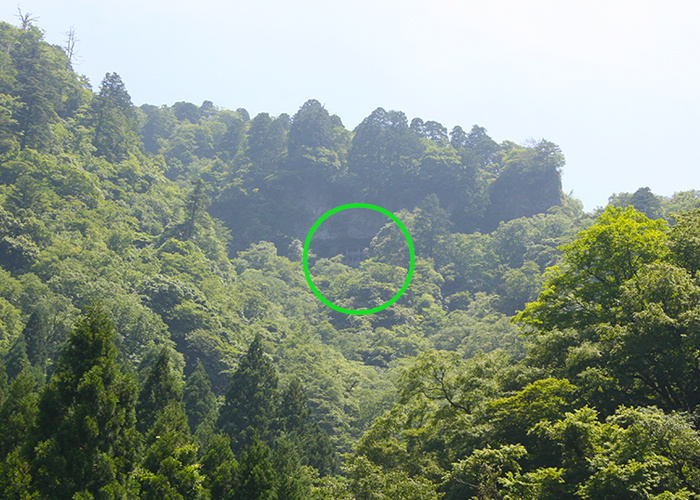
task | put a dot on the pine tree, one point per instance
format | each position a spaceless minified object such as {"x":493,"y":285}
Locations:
{"x":220,"y":468}
{"x":293,"y":484}
{"x":170,"y":468}
{"x":258,"y":478}
{"x":318,"y":450}
{"x":115,"y":123}
{"x":16,"y":478}
{"x":197,"y":202}
{"x":35,"y":336}
{"x":313,"y":443}
{"x":17,"y":413}
{"x":3,"y":383}
{"x":249,"y":404}
{"x":160,"y":389}
{"x":293,"y":412}
{"x":17,"y":359}
{"x":84,"y":441}
{"x":200,"y":401}
{"x":38,"y":78}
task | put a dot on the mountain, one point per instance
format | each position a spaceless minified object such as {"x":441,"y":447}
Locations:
{"x":159,"y":339}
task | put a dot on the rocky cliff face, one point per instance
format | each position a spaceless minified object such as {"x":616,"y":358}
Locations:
{"x":522,"y":191}
{"x":346,"y":231}
{"x":285,"y":208}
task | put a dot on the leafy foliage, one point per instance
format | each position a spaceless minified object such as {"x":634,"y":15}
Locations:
{"x":84,"y":438}
{"x":108,"y":209}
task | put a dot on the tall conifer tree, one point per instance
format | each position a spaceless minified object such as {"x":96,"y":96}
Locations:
{"x":17,"y":413}
{"x":3,"y":382}
{"x":199,"y":399}
{"x":293,"y":411}
{"x":115,"y":123}
{"x":249,"y":405}
{"x":220,"y":468}
{"x":35,"y":335}
{"x":17,"y":359}
{"x":38,"y":75}
{"x":84,"y":440}
{"x":170,"y":468}
{"x":292,"y":483}
{"x":312,"y":443}
{"x":160,"y":389}
{"x":258,"y":479}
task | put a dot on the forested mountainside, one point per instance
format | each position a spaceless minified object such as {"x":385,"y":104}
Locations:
{"x":158,"y":338}
{"x":271,"y":178}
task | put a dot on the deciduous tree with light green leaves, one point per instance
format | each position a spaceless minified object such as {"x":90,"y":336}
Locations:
{"x":585,"y":290}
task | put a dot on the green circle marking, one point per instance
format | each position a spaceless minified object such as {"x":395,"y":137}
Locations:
{"x":411,"y":265}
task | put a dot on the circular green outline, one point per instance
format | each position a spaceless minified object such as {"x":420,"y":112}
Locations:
{"x":411,"y":265}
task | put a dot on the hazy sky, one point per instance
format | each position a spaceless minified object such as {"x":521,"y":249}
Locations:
{"x":614,"y":83}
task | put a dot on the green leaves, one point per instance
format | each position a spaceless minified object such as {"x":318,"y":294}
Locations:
{"x":93,"y":216}
{"x":160,"y":390}
{"x":655,"y":343}
{"x":86,"y":416}
{"x":370,"y":482}
{"x":684,"y":240}
{"x":248,"y":408}
{"x":541,"y":400}
{"x":114,"y":120}
{"x":199,"y":401}
{"x":634,"y":314}
{"x":483,"y":469}
{"x":585,"y":290}
{"x":640,"y":452}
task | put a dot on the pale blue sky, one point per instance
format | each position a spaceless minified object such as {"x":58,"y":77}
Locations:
{"x":614,"y":83}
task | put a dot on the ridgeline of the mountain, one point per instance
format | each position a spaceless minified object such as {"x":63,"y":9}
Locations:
{"x":271,"y":178}
{"x":158,"y":338}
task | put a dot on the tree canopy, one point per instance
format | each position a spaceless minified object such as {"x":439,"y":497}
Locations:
{"x":158,"y":338}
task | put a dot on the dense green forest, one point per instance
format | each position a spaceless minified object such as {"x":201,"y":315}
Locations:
{"x":158,"y":339}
